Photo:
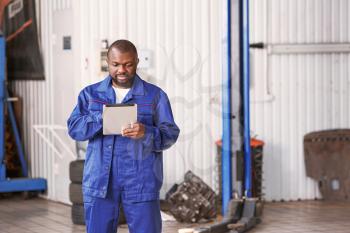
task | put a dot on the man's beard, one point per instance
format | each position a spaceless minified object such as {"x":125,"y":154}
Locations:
{"x":127,"y":83}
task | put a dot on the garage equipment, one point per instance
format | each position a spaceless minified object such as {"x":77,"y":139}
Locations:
{"x":327,"y":161}
{"x":241,"y":214}
{"x":248,"y":216}
{"x":251,"y":206}
{"x":192,"y":200}
{"x":15,"y":184}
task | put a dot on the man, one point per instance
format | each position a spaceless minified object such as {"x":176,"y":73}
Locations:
{"x":123,"y":170}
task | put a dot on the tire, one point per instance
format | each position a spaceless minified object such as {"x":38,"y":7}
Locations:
{"x":76,"y":169}
{"x":75,"y":193}
{"x":78,"y":214}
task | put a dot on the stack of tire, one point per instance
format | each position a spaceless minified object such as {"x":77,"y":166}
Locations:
{"x":75,"y":191}
{"x":76,"y":169}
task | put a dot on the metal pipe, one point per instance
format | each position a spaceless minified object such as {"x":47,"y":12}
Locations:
{"x":246,"y":101}
{"x":226,"y":115}
{"x":308,"y":48}
{"x":2,"y":113}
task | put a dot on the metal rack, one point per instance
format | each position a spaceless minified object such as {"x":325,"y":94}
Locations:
{"x":23,"y":184}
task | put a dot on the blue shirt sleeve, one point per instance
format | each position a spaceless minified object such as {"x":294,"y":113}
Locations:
{"x":84,"y":124}
{"x":164,"y":133}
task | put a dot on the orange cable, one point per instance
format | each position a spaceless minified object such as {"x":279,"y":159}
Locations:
{"x":24,"y":26}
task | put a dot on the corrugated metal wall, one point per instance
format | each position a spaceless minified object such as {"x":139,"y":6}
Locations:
{"x":185,"y":40}
{"x":36,"y":111}
{"x":293,"y":94}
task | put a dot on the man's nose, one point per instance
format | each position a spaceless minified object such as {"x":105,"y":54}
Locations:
{"x":121,"y":69}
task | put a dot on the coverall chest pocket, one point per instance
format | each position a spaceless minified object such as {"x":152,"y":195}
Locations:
{"x":95,"y":106}
{"x":144,"y":114}
{"x":146,"y":119}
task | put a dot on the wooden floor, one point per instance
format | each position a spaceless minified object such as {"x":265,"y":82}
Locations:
{"x":305,"y":217}
{"x":41,"y":216}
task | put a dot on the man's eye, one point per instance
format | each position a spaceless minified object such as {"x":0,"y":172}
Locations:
{"x":129,"y":65}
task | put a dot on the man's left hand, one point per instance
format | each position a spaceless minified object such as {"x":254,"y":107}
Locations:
{"x":135,"y":131}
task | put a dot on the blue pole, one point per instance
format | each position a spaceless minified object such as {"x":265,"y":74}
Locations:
{"x":2,"y":98}
{"x":246,"y":101}
{"x":17,"y":138}
{"x":226,"y":115}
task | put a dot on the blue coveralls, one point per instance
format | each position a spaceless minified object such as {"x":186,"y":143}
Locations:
{"x":119,"y":170}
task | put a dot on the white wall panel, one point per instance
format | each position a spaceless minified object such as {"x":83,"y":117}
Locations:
{"x":293,"y":94}
{"x":36,"y":110}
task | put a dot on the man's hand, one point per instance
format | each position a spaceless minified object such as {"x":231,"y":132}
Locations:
{"x":135,"y":131}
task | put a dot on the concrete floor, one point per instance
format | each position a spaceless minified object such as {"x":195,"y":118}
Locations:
{"x":305,"y":217}
{"x":42,"y":216}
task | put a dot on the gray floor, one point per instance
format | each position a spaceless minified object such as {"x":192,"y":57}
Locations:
{"x":305,"y":217}
{"x":41,"y":216}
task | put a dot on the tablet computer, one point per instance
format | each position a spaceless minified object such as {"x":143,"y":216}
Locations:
{"x":117,"y":117}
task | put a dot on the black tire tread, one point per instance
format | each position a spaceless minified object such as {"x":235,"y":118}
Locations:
{"x":75,"y":193}
{"x":78,"y":214}
{"x":76,"y":169}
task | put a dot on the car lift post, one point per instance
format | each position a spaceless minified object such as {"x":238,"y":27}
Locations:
{"x":242,"y":214}
{"x":23,"y":184}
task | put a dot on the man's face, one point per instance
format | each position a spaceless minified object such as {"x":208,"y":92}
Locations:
{"x":122,"y":67}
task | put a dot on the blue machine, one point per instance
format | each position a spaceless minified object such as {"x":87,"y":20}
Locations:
{"x":16,"y":184}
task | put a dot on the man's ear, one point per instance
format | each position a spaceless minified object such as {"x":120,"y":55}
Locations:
{"x":137,"y":62}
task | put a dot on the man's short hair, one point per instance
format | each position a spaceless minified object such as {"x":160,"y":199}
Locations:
{"x":123,"y":46}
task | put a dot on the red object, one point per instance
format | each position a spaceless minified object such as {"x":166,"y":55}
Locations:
{"x":219,"y":142}
{"x":3,"y":4}
{"x":253,"y":143}
{"x":256,"y":143}
{"x":19,"y":30}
